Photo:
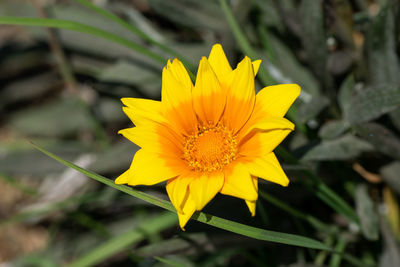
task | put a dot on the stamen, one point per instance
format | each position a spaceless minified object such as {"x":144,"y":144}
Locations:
{"x":210,"y":148}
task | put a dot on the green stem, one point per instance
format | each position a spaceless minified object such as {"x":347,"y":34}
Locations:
{"x":244,"y":44}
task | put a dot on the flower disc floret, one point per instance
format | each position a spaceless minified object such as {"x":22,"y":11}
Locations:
{"x":210,"y":148}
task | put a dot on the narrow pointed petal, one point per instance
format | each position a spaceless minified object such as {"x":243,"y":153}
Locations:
{"x":252,"y":204}
{"x":176,"y":189}
{"x":268,"y":168}
{"x":188,"y":208}
{"x":266,"y":124}
{"x":205,"y":187}
{"x":239,"y":183}
{"x":140,"y":174}
{"x":208,"y":97}
{"x":256,"y":66}
{"x":252,"y":207}
{"x":141,"y":111}
{"x":241,"y":96}
{"x":176,"y":95}
{"x":180,"y":73}
{"x":154,"y":138}
{"x":276,"y":100}
{"x":259,"y":143}
{"x":219,"y":63}
{"x":123,"y":178}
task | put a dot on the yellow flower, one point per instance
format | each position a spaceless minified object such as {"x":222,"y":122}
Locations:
{"x":215,"y":136}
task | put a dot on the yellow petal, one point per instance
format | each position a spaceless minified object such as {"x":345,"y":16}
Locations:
{"x":252,"y":204}
{"x":208,"y":97}
{"x":156,"y":138}
{"x":266,"y":124}
{"x":239,"y":183}
{"x":256,"y":66}
{"x":241,"y":96}
{"x":176,"y":95}
{"x":123,"y":178}
{"x":277,"y":99}
{"x":180,"y":73}
{"x":176,"y":189}
{"x":219,"y":63}
{"x":141,"y":111}
{"x":259,"y":143}
{"x":143,"y":172}
{"x":252,"y":207}
{"x":267,"y":168}
{"x":188,"y":208}
{"x":205,"y":187}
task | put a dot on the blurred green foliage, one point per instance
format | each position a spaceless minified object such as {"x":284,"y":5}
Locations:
{"x":61,"y":89}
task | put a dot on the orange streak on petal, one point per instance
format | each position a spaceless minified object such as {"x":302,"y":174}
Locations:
{"x":208,"y":95}
{"x":241,"y":96}
{"x":258,"y":143}
{"x":176,"y":97}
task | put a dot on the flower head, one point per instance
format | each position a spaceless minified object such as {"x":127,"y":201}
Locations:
{"x":213,"y":137}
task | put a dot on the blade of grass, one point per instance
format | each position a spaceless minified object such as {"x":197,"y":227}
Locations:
{"x":337,"y":258}
{"x":244,"y":44}
{"x":228,"y":225}
{"x":121,"y":242}
{"x":134,"y":30}
{"x":79,"y":27}
{"x":234,"y":227}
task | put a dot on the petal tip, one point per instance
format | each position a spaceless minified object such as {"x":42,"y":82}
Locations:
{"x":286,"y":183}
{"x":122,"y":179}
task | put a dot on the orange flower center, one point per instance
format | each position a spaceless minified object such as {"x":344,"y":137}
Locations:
{"x":210,"y":149}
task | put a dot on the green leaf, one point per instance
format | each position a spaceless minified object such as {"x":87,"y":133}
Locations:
{"x":17,"y":160}
{"x":367,"y":214}
{"x":228,"y":225}
{"x":44,"y":120}
{"x":345,"y":94}
{"x":122,"y":242}
{"x":372,"y":103}
{"x":80,"y":27}
{"x":291,"y":68}
{"x":342,"y":148}
{"x":380,"y":137}
{"x":313,"y":36}
{"x":125,"y":72}
{"x":383,"y":62}
{"x":311,"y":109}
{"x":333,"y":129}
